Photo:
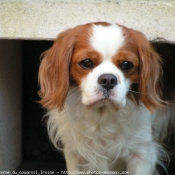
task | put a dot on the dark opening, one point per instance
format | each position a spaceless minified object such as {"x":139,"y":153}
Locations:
{"x":38,"y":152}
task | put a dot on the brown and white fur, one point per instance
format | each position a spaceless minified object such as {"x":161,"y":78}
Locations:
{"x":102,"y":86}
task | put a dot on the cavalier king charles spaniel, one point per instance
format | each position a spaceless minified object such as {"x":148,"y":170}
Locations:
{"x":102,"y":86}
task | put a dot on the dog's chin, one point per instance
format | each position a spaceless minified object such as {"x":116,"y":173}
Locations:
{"x":104,"y":103}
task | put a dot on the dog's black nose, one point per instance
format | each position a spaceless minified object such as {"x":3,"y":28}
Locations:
{"x":107,"y":81}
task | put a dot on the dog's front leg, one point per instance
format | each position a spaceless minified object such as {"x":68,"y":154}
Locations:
{"x":72,"y":162}
{"x":143,"y":161}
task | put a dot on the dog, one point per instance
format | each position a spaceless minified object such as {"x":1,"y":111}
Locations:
{"x":102,"y":85}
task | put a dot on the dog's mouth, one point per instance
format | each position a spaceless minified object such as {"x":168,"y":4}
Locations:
{"x":104,"y":99}
{"x":106,"y":94}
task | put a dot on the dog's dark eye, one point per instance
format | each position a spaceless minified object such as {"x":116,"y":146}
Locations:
{"x":126,"y":66}
{"x":86,"y":63}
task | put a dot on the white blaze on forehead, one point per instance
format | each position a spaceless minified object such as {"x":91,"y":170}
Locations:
{"x":107,"y":39}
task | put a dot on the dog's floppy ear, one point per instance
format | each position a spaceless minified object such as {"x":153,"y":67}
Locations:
{"x":150,"y":74}
{"x":54,"y":71}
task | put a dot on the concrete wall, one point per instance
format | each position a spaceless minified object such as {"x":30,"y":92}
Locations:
{"x":43,"y":19}
{"x":10,"y":104}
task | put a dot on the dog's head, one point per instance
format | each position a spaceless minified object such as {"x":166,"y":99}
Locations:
{"x":108,"y":62}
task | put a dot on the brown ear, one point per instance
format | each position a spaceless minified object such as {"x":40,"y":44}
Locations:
{"x":150,"y":85}
{"x":54,"y":71}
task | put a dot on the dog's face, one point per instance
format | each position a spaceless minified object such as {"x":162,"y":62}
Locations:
{"x":108,"y":62}
{"x":103,"y":69}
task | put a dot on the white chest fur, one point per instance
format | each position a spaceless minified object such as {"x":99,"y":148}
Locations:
{"x":98,"y":138}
